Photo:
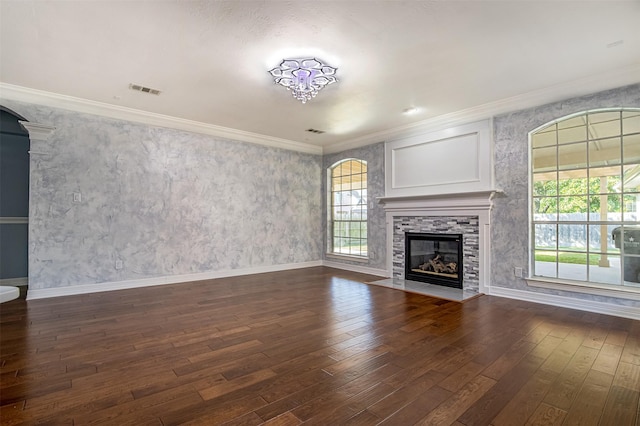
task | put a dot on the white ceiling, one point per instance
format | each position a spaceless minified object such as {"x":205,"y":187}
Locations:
{"x":210,"y":59}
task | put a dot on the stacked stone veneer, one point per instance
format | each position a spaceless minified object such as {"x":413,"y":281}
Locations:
{"x":468,"y":226}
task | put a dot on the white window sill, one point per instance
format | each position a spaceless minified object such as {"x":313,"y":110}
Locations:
{"x":631,"y":293}
{"x":336,"y":256}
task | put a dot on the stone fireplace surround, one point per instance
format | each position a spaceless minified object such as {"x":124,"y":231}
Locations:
{"x":462,"y":213}
{"x":465,"y":225}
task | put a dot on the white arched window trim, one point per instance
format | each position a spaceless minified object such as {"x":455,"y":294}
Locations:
{"x":582,"y":182}
{"x":347,"y":208}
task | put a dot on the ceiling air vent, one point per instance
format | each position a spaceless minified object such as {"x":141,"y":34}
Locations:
{"x":143,"y":89}
{"x":315,"y":131}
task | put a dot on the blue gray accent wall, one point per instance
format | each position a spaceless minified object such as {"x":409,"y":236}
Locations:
{"x":376,"y":229}
{"x":510,"y":214}
{"x":162,"y":202}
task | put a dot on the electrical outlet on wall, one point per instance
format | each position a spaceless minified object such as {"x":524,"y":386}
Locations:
{"x":518,"y":272}
{"x":77,"y":197}
{"x":119,"y":264}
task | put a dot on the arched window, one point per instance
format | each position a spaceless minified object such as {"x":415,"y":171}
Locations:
{"x":348,"y":208}
{"x":585,"y":198}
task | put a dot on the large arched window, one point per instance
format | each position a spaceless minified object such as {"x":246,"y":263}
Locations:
{"x":348,"y":208}
{"x":585,"y":198}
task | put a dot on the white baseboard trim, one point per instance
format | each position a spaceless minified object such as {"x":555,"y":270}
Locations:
{"x":14,"y":282}
{"x":356,"y":268}
{"x":44,"y":293}
{"x":567,"y":302}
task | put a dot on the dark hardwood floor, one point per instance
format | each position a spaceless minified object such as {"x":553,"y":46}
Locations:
{"x":313,"y":346}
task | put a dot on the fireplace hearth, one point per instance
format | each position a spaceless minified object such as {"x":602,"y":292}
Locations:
{"x":434,"y":258}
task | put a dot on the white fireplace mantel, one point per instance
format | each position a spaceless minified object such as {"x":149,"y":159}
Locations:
{"x":477,"y":203}
{"x":473,"y":201}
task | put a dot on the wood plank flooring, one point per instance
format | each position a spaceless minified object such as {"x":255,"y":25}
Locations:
{"x":314,"y":346}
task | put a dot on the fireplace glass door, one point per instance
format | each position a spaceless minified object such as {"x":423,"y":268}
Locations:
{"x":434,"y":258}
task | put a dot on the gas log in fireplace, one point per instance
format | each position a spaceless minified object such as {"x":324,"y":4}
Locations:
{"x":434,"y":258}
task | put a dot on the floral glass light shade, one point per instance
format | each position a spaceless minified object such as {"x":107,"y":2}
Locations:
{"x":303,"y":77}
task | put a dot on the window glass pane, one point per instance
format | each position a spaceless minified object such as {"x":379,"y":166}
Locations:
{"x":336,"y":182}
{"x":544,"y":137}
{"x":604,"y":124}
{"x":572,"y":266}
{"x":355,"y":230}
{"x":631,"y":269}
{"x":605,"y":152}
{"x":572,"y":237}
{"x":605,"y":207}
{"x":572,"y":122}
{"x":631,"y":122}
{"x":545,"y":236}
{"x":545,"y":184}
{"x":572,"y":156}
{"x":545,"y":264}
{"x":572,"y":130}
{"x":545,"y":208}
{"x":545,"y":159}
{"x":572,"y":208}
{"x":601,"y":240}
{"x":631,"y":207}
{"x":631,"y":178}
{"x":604,"y":180}
{"x":631,"y":149}
{"x":573,"y":183}
{"x":604,"y":268}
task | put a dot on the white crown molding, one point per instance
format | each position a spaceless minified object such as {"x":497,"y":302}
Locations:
{"x":566,"y":302}
{"x":40,"y":97}
{"x":43,"y":293}
{"x":591,"y":84}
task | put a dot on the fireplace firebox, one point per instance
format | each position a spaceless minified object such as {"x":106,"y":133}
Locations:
{"x":434,"y":258}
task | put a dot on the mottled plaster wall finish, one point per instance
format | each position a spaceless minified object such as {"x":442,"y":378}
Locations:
{"x":510,"y":215}
{"x":164,"y":202}
{"x":376,"y":228}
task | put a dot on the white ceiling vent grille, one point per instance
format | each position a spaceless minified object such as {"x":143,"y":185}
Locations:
{"x":144,"y":89}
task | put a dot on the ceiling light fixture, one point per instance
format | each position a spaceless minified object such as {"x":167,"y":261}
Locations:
{"x":303,"y":77}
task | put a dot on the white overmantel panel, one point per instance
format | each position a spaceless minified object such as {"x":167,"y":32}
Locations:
{"x":454,"y":160}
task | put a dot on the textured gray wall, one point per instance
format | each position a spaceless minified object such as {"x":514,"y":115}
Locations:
{"x":165,"y":202}
{"x":510,"y":215}
{"x":377,"y":243}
